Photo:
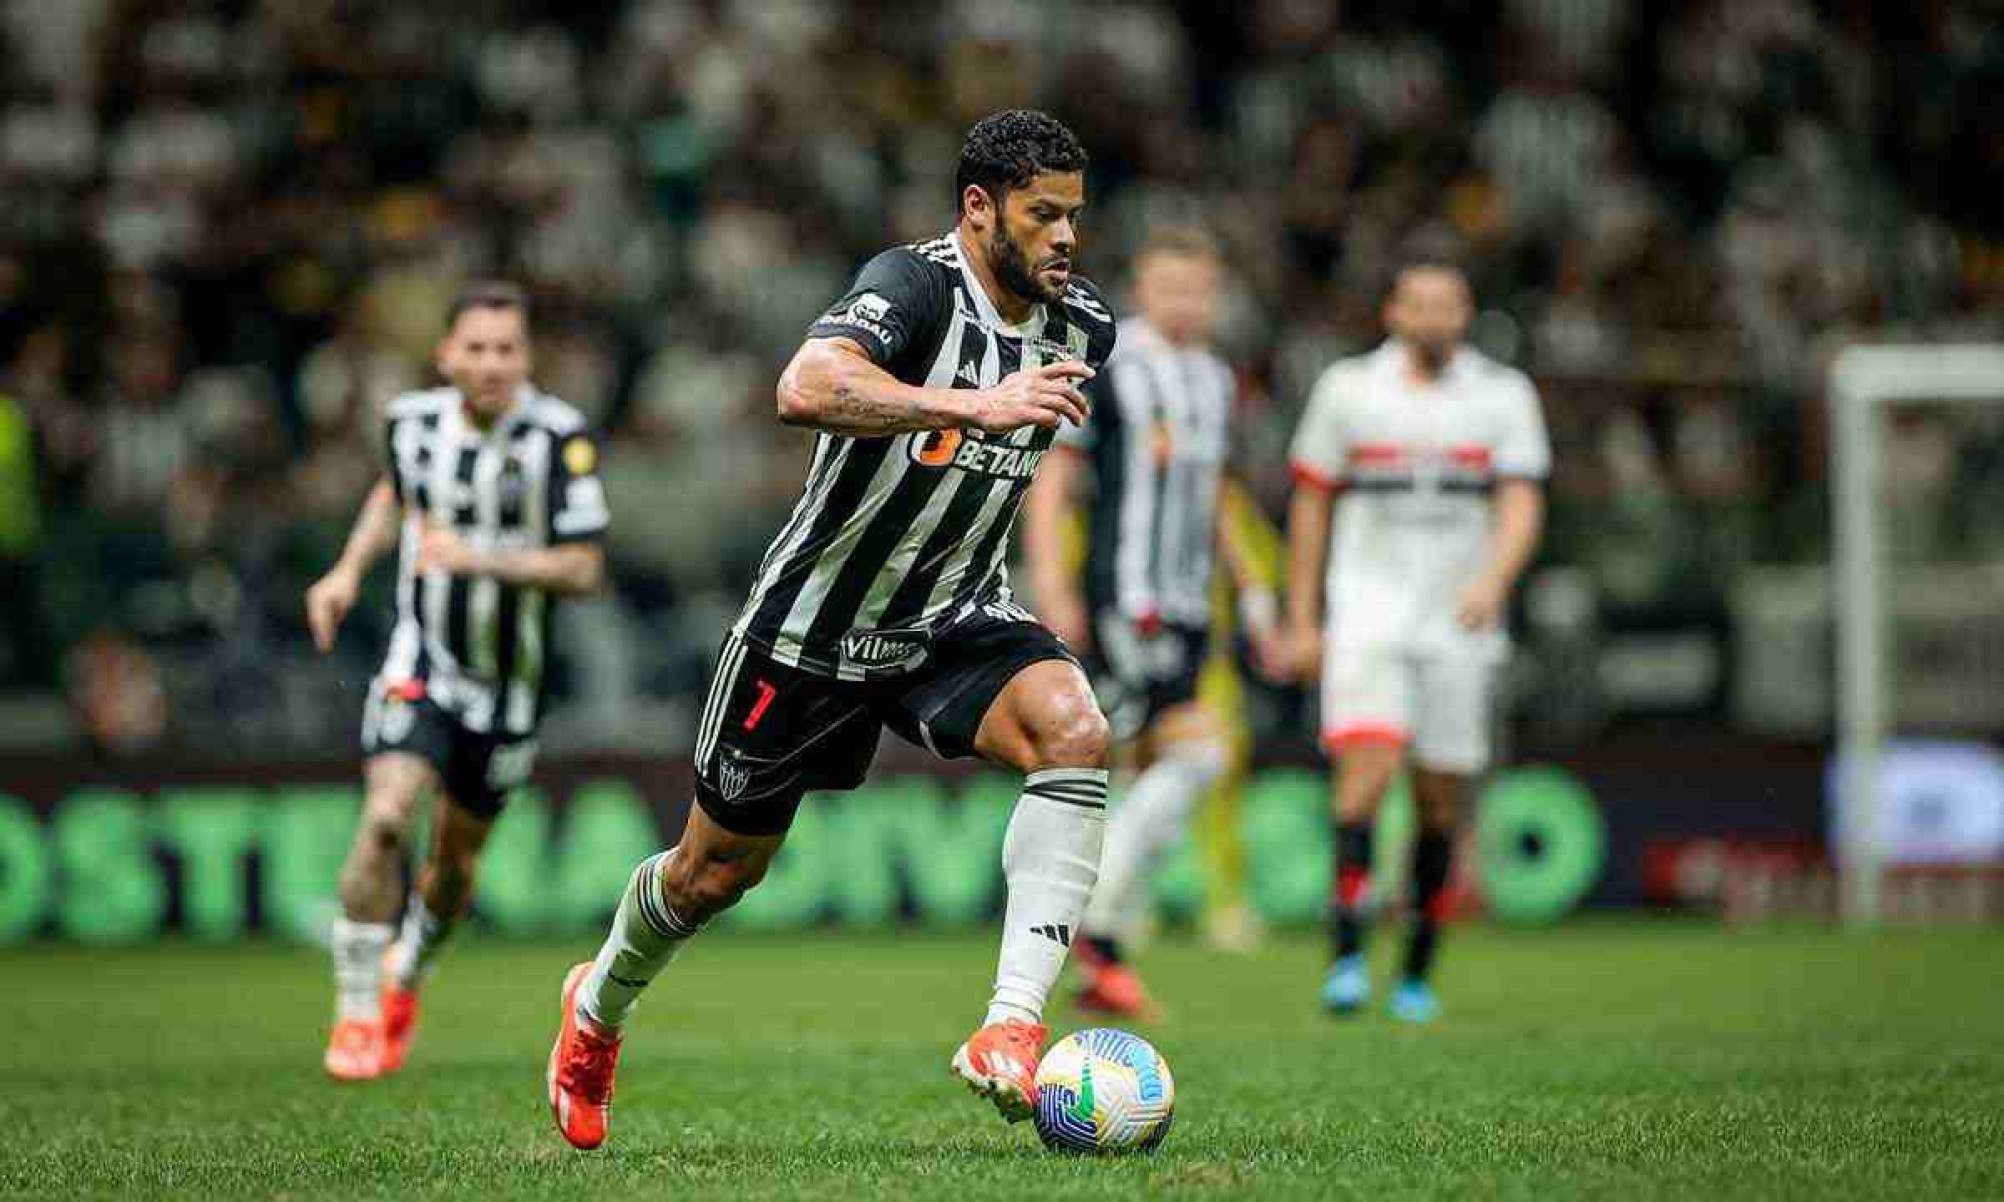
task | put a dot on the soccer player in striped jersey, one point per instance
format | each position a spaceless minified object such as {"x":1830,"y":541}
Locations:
{"x":1154,"y":458}
{"x":491,"y":492}
{"x":1419,"y":471}
{"x":936,"y":384}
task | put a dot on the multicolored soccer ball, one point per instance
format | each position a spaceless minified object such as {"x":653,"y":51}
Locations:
{"x":1104,"y":1091}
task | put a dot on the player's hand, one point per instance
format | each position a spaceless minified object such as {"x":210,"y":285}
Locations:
{"x":1480,"y":605}
{"x":1036,"y":396}
{"x":1300,"y":653}
{"x":441,"y":550}
{"x":1270,"y":654}
{"x":328,"y":603}
{"x":1065,"y":616}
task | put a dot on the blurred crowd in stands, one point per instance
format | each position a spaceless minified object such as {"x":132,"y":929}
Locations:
{"x":231,"y":226}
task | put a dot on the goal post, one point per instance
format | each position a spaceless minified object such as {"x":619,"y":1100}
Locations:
{"x":1865,"y":381}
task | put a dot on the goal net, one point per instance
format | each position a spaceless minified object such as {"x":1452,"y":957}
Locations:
{"x":1917,"y":479}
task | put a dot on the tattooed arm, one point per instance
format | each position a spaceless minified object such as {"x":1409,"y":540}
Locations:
{"x":833,"y":385}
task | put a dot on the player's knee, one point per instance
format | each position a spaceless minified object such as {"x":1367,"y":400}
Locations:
{"x":1074,"y":734}
{"x":1439,"y":813}
{"x":1358,"y":796}
{"x":1438,"y":796}
{"x":384,"y":827}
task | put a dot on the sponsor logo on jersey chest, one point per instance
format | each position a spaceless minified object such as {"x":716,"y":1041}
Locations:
{"x":970,"y":451}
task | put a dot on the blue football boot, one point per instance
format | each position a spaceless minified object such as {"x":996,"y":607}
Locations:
{"x":1348,"y":986}
{"x":1413,"y":1002}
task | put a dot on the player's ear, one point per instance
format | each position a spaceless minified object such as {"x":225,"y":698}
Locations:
{"x":978,"y":207}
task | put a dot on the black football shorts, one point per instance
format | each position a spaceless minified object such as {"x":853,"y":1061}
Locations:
{"x":771,"y":733}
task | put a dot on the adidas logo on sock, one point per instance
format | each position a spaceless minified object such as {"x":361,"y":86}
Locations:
{"x":1056,"y":932}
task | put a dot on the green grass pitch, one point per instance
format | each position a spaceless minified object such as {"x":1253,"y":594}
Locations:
{"x":1600,"y":1060}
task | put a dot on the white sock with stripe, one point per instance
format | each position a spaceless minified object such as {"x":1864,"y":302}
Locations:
{"x":415,"y":953}
{"x":1144,"y":824}
{"x":358,"y":968}
{"x":1050,"y":858}
{"x":646,"y":933}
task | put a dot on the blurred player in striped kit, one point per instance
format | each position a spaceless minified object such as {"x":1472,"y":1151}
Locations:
{"x":490,"y":489}
{"x":1150,"y":466}
{"x":1418,"y":486}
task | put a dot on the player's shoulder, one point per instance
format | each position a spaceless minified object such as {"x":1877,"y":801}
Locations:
{"x":915,"y":277}
{"x":553,"y":415}
{"x":1087,"y":309}
{"x":926,"y":264}
{"x":937,"y":254}
{"x":1497,"y":377}
{"x":1084,"y":303}
{"x":1345,"y":376}
{"x":419,"y":403}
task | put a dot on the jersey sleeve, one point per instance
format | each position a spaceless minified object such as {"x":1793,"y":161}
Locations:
{"x":1085,"y":305}
{"x":895,"y":300}
{"x":577,"y":496}
{"x":1321,"y":444}
{"x":392,"y":469}
{"x":1099,"y":395}
{"x":1524,"y":451}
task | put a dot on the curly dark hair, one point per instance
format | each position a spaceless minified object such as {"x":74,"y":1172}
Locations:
{"x":1007,"y":150}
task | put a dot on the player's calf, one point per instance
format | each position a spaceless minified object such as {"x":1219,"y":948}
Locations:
{"x":1045,"y":724}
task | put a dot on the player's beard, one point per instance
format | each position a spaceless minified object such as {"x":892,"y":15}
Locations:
{"x":1431,"y":355}
{"x":1012,"y":270}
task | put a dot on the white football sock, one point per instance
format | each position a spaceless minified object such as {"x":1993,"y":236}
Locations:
{"x":646,"y":933}
{"x":415,"y":953}
{"x":1144,"y":824}
{"x":358,"y":968}
{"x":1050,"y":858}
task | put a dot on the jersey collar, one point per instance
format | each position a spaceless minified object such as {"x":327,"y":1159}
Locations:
{"x":984,"y":308}
{"x":1392,"y":362}
{"x":517,"y":413}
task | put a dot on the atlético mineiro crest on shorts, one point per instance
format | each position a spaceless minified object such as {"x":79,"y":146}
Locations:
{"x":732,"y":776}
{"x":398,"y":719}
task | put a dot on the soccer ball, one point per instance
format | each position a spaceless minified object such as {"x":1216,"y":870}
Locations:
{"x":1104,"y":1091}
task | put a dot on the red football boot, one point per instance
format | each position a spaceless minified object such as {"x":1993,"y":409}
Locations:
{"x":999,"y":1062}
{"x":355,"y":1050}
{"x":582,"y":1063}
{"x":400,"y":1015}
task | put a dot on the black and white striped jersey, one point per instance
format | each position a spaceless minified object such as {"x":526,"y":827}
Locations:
{"x":1158,"y":441}
{"x":529,"y":480}
{"x":895,"y":537}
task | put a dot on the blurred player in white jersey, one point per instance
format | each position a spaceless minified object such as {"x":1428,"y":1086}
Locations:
{"x":1149,"y":468}
{"x":1419,"y":474}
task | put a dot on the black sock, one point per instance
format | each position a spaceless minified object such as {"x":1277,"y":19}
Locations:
{"x":1108,"y":948}
{"x":1432,"y":852}
{"x":1352,"y":882}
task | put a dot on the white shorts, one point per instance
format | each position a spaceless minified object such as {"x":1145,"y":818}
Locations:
{"x":1436,"y":704}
